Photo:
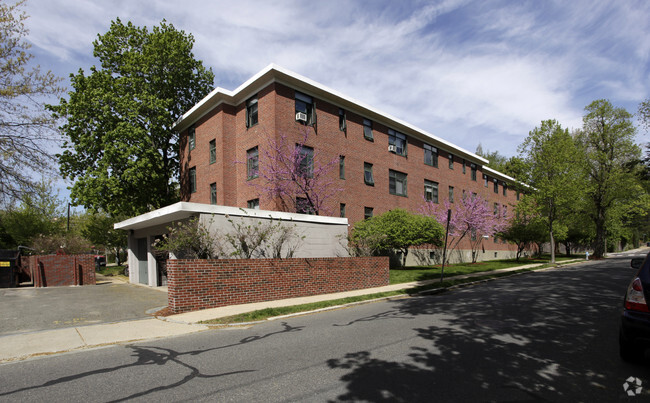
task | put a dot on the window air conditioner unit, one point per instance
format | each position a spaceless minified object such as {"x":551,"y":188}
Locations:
{"x":392,"y":148}
{"x":301,"y":116}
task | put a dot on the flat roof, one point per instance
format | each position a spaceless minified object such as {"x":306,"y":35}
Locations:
{"x":273,"y":73}
{"x":184,"y":210}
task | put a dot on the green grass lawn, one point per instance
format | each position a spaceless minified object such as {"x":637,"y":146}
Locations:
{"x":420,"y":273}
{"x":113,"y":271}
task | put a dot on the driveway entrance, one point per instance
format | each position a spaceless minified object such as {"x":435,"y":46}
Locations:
{"x":34,"y":309}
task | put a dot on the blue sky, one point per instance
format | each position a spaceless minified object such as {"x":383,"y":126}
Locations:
{"x":468,"y":71}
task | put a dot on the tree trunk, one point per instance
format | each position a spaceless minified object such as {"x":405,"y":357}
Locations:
{"x":552,"y":246}
{"x":600,"y":243}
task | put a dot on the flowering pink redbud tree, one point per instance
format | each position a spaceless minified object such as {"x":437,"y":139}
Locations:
{"x":294,"y":176}
{"x":470,"y":217}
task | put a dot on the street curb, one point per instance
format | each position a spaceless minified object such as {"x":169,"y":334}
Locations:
{"x":433,"y":291}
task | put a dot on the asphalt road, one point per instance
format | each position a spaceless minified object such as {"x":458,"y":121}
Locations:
{"x":31,"y":309}
{"x":542,"y":336}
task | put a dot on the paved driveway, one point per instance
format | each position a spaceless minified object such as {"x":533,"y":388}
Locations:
{"x":33,"y":309}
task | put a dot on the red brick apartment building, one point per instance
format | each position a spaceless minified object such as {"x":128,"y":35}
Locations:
{"x":385,"y":163}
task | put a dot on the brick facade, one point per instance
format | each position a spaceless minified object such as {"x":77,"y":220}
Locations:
{"x":62,"y":270}
{"x":202,"y":284}
{"x":226,"y":124}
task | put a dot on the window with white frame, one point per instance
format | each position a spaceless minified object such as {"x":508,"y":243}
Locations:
{"x":343,"y":125}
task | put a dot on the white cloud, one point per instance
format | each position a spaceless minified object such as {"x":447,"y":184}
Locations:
{"x":463,"y":70}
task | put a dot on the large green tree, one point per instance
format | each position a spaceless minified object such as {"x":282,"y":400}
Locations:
{"x":397,"y":229}
{"x":607,"y":145}
{"x":38,"y":214}
{"x":26,"y":129}
{"x":120,"y":149}
{"x":551,"y":154}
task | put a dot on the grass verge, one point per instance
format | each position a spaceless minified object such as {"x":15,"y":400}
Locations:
{"x":421,"y":273}
{"x":264,"y":314}
{"x":113,"y":271}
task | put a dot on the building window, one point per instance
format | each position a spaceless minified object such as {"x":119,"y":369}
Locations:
{"x":517,"y":196}
{"x":473,"y":168}
{"x":193,"y":180}
{"x":464,"y":164}
{"x":303,"y":206}
{"x":430,"y":191}
{"x":341,"y":167}
{"x":342,"y":210}
{"x":192,"y":137}
{"x":254,"y":204}
{"x":367,"y":174}
{"x":496,"y":185}
{"x":503,"y":186}
{"x":305,"y":109}
{"x":396,"y":183}
{"x":398,"y":142}
{"x":251,"y":111}
{"x":367,"y":129}
{"x":367,"y":212}
{"x":496,"y":209}
{"x":485,"y":180}
{"x":213,"y":151}
{"x":252,"y":163}
{"x":343,"y":126}
{"x":306,"y":161}
{"x":431,"y":155}
{"x":213,"y":193}
{"x":451,"y":161}
{"x":451,"y":194}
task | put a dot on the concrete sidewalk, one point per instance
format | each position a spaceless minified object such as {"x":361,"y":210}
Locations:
{"x":25,"y":345}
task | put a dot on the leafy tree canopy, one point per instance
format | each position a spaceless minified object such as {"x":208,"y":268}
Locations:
{"x":609,"y":152}
{"x":119,"y":147}
{"x":398,"y":229}
{"x":25,"y":128}
{"x":550,"y":153}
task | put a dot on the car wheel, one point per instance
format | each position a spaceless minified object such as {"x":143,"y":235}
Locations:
{"x":626,"y":350}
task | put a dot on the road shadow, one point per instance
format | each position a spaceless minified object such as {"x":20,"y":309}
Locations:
{"x":548,"y":336}
{"x":153,"y":356}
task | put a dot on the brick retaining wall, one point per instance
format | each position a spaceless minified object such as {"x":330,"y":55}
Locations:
{"x":62,"y":270}
{"x":201,"y":284}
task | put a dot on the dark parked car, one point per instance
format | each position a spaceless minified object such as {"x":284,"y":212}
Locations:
{"x":100,"y":261}
{"x":634,"y":335}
